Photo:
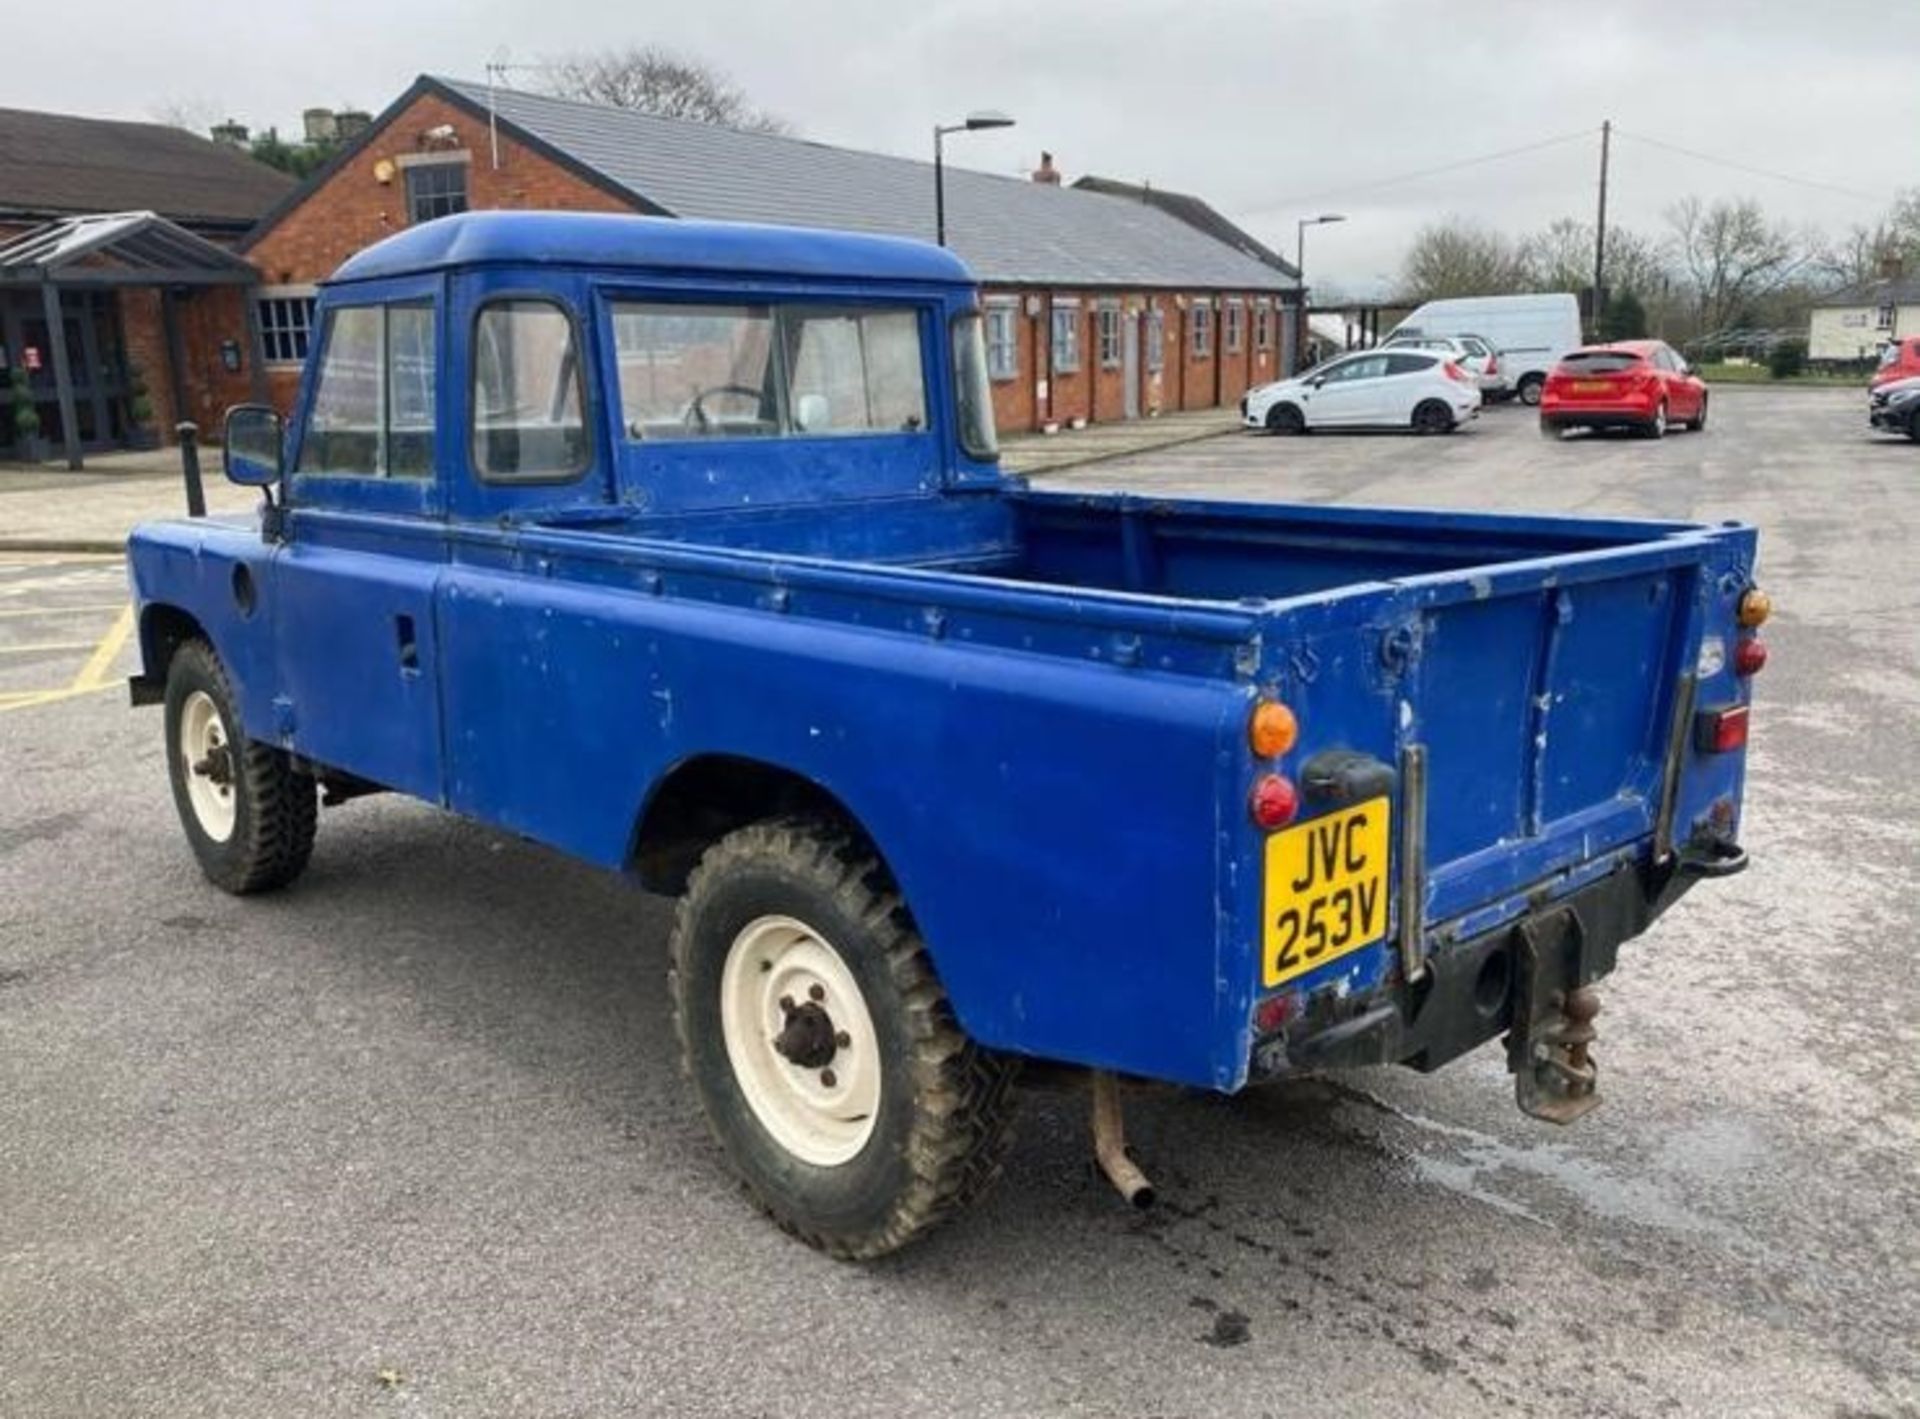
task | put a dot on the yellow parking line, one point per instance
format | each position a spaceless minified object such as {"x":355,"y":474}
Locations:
{"x":95,"y":608}
{"x":33,"y":699}
{"x":94,"y":672}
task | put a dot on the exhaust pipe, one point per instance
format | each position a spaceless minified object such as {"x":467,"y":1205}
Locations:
{"x":1110,"y":1143}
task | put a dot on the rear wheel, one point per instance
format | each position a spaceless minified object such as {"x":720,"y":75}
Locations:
{"x":1550,"y":430}
{"x":1432,"y":417}
{"x":1530,"y":389}
{"x":1286,"y":419}
{"x":825,"y":1054}
{"x":1656,"y":427}
{"x":249,"y":814}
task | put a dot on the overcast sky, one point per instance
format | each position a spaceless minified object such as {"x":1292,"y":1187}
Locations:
{"x":1269,"y":110}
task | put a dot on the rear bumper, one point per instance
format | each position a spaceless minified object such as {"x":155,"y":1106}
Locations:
{"x":1612,"y":416}
{"x":1476,"y":989}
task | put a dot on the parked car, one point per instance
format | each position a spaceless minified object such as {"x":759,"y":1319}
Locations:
{"x":1899,"y":360}
{"x":1473,"y":354}
{"x":1531,"y":332}
{"x":1423,"y":390}
{"x":1895,"y":407}
{"x":1630,"y":384}
{"x":945,"y":771}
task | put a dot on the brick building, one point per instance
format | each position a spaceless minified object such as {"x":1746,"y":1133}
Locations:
{"x":1102,"y":301}
{"x":125,"y":229}
{"x":1099,"y":305}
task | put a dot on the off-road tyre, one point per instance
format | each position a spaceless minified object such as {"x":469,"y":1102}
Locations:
{"x":275,"y":806}
{"x":942,"y":1124}
{"x":1286,"y":419}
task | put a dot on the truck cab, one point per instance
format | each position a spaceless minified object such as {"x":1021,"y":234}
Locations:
{"x":683,"y":549}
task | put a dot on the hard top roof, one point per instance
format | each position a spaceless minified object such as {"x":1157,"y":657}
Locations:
{"x":653,"y":244}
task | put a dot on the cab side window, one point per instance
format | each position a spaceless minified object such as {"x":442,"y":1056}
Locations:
{"x":529,"y":393}
{"x":373,"y":406}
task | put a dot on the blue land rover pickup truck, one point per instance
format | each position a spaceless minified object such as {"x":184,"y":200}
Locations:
{"x":683,"y":549}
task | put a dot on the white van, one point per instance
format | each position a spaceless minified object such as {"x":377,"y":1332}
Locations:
{"x":1530,"y":332}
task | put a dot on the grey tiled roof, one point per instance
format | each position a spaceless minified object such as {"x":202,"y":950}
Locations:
{"x":1007,"y":230}
{"x":1888,"y":290}
{"x":56,"y":164}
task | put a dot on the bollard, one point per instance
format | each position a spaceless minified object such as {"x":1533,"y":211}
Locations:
{"x":188,"y":433}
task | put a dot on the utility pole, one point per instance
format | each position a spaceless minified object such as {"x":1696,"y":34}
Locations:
{"x":1600,"y":231}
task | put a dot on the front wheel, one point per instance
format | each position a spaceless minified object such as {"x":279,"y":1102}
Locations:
{"x":1286,"y":419}
{"x":822,"y":1047}
{"x":1699,"y":420}
{"x":249,"y":814}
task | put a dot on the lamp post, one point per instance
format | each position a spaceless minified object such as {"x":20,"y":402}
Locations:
{"x":1300,"y":273}
{"x":983,"y":118}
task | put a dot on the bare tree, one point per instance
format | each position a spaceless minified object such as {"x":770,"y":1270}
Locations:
{"x":196,"y":115}
{"x":1732,"y":255}
{"x":1459,"y":258}
{"x":1559,"y":257}
{"x":653,"y":80}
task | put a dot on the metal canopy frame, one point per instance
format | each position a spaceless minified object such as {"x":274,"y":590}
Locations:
{"x":121,"y":249}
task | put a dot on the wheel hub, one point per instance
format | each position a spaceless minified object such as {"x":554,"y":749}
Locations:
{"x":808,"y":1039}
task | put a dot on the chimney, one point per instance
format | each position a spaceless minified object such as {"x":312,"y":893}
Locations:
{"x":319,"y":125}
{"x":1047,"y":173}
{"x":229,"y":134}
{"x":1892,"y":268}
{"x":351,"y":123}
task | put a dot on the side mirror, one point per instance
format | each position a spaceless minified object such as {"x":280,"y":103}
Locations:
{"x":1318,"y":380}
{"x":255,"y":452}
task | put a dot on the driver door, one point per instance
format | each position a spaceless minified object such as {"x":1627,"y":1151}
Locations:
{"x":1352,"y":392}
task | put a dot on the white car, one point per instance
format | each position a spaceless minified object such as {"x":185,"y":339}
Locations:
{"x":1478,"y":358}
{"x":1422,"y":390}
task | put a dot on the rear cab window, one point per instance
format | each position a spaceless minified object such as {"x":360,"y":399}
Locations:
{"x":529,"y":393}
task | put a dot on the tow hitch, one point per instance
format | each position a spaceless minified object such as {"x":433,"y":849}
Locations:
{"x":1549,"y":1046}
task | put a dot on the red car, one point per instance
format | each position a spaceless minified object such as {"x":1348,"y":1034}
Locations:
{"x":1899,"y":360}
{"x":1630,"y":384}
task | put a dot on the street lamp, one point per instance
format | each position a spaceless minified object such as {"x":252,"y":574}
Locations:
{"x":1300,"y":270}
{"x":982,"y":118}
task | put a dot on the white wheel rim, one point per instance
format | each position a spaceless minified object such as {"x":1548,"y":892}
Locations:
{"x":1660,"y":419}
{"x":206,"y":760}
{"x":821,"y":1112}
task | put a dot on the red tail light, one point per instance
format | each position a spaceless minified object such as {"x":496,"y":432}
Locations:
{"x":1720,"y":731}
{"x":1493,"y":364}
{"x":1750,"y":656}
{"x":1274,"y":801}
{"x":1455,"y":372}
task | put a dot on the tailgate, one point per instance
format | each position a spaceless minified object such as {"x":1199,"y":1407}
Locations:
{"x":1543,"y":698}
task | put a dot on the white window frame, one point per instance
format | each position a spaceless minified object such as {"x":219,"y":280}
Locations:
{"x":1156,"y":340}
{"x":1883,"y":316}
{"x":1262,"y":324}
{"x":278,"y":334}
{"x":1002,"y":316}
{"x":1200,"y":328}
{"x":1063,"y":356}
{"x":1107,"y":333}
{"x":1236,"y":325}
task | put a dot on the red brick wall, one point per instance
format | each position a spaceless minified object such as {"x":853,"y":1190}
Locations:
{"x":352,"y":209}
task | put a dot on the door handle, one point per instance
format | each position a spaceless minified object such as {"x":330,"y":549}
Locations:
{"x":409,"y":645}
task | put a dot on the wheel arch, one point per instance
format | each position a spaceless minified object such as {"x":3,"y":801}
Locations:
{"x":706,"y":796}
{"x":164,"y":628}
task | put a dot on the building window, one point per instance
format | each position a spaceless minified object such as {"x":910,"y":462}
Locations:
{"x":1200,"y":327}
{"x":1109,"y":335}
{"x":286,"y":326}
{"x":1156,"y":340}
{"x":1066,"y":336}
{"x":435,"y":190}
{"x":1263,"y":325}
{"x":1236,"y":325}
{"x":1883,"y":318}
{"x":1003,"y":339}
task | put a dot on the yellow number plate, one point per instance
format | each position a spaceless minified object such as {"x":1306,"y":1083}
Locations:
{"x":1592,"y":386}
{"x":1326,"y":890}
